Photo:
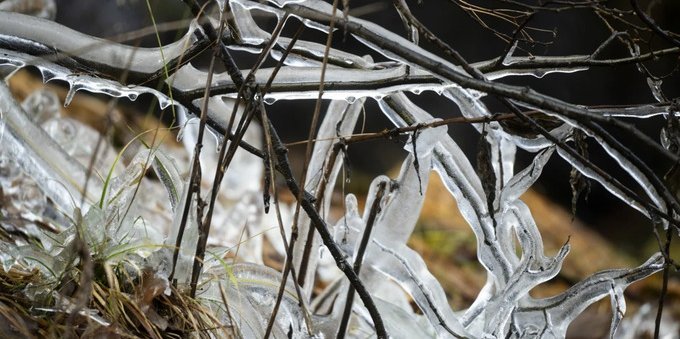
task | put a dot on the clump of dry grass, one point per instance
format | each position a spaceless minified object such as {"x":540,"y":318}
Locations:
{"x":119,"y":306}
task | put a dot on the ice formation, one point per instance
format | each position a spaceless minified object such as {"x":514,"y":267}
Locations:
{"x":128,"y":217}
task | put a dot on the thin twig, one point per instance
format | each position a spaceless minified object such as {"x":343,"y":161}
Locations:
{"x":288,"y":267}
{"x":664,"y":284}
{"x":306,"y":203}
{"x":373,"y":213}
{"x":651,"y":24}
{"x":195,"y":174}
{"x":309,"y":240}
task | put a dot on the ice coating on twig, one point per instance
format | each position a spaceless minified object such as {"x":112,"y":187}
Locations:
{"x":145,"y":60}
{"x":322,"y":172}
{"x":509,"y":243}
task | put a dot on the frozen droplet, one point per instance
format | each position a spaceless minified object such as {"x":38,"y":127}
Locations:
{"x":351,"y":99}
{"x":69,"y":96}
{"x":539,"y":73}
{"x":351,"y":205}
{"x":322,"y":252}
{"x":47,"y":74}
{"x":508,"y":59}
{"x":63,"y":131}
{"x":655,"y":87}
{"x":42,"y":105}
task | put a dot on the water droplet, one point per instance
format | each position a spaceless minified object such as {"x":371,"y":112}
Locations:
{"x":269,"y":100}
{"x":180,"y":134}
{"x":351,"y":99}
{"x":539,"y":73}
{"x":47,"y":74}
{"x":69,"y":96}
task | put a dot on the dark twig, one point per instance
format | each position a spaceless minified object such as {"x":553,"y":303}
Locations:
{"x":651,"y":24}
{"x":326,"y":237}
{"x":306,"y":203}
{"x":195,"y":176}
{"x":373,"y":213}
{"x":664,"y":284}
{"x":288,"y":267}
{"x":521,"y":94}
{"x":309,"y":240}
{"x":227,"y":153}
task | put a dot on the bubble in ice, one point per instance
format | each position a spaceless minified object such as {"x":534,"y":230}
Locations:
{"x":42,"y":105}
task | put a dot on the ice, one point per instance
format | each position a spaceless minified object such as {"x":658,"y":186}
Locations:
{"x":250,"y":32}
{"x":642,"y":324}
{"x":557,"y":312}
{"x":633,"y":171}
{"x":655,"y":87}
{"x":251,"y":290}
{"x":472,"y":107}
{"x":404,"y":324}
{"x":409,"y":270}
{"x":42,"y":105}
{"x":143,"y":60}
{"x":78,"y":82}
{"x":246,"y":170}
{"x":168,"y":172}
{"x":135,"y":221}
{"x":59,"y":176}
{"x":341,"y":117}
{"x":605,"y":182}
{"x":294,"y":83}
{"x":315,"y":51}
{"x":521,"y":182}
